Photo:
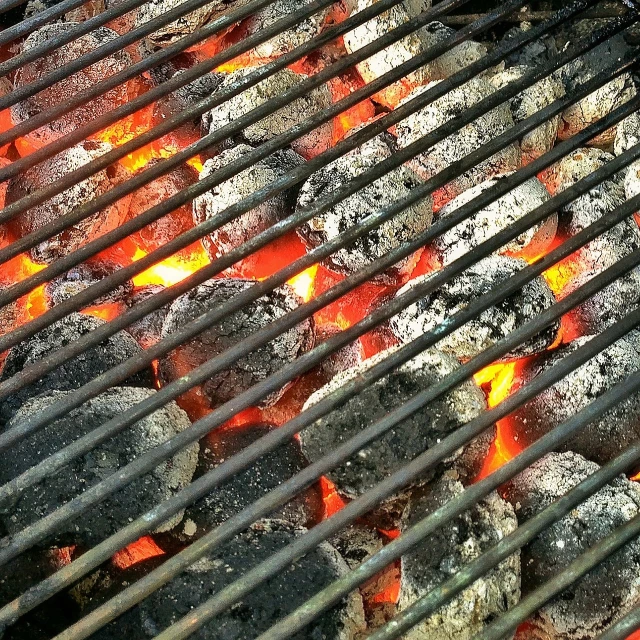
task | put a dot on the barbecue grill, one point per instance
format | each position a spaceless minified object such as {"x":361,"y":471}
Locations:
{"x":319,"y":319}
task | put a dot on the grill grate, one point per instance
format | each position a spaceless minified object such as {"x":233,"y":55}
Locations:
{"x":623,"y":16}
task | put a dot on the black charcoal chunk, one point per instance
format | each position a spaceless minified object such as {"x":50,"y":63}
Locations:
{"x":115,"y":512}
{"x":602,"y":439}
{"x":148,"y":330}
{"x":396,"y":448}
{"x":244,"y":488}
{"x":492,"y":325}
{"x":534,"y":53}
{"x":447,"y":550}
{"x":75,"y":372}
{"x":393,"y":186}
{"x":351,"y":355}
{"x":229,"y":331}
{"x":588,"y":606}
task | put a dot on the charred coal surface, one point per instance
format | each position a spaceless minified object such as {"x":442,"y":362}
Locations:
{"x":229,"y":331}
{"x":492,"y":325}
{"x":591,"y":604}
{"x":148,"y":330}
{"x":447,"y":551}
{"x":117,"y":511}
{"x":400,"y":445}
{"x":75,"y":372}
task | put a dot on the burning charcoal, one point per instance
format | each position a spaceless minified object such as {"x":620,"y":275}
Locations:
{"x":447,"y":551}
{"x":82,"y":232}
{"x":530,"y":101}
{"x":245,"y":488}
{"x":212,"y":203}
{"x":604,"y":100}
{"x":230,"y":330}
{"x":356,"y":543}
{"x":397,"y":447}
{"x":588,"y":606}
{"x":71,"y":85}
{"x":293,"y":113}
{"x":535,"y":53}
{"x":627,"y":134}
{"x":83,"y":276}
{"x":348,"y":357}
{"x":148,"y":330}
{"x":263,"y":607}
{"x":498,"y":215}
{"x":3,"y":193}
{"x":393,"y":186}
{"x":6,"y":87}
{"x":110,"y":515}
{"x":632,"y":180}
{"x":75,"y":372}
{"x":462,"y":142}
{"x":602,"y":439}
{"x":492,"y":325}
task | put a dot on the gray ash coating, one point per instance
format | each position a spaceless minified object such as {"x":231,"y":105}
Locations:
{"x":170,"y":226}
{"x":148,"y":330}
{"x":212,"y":203}
{"x":602,"y":439}
{"x":83,"y":192}
{"x":527,"y":103}
{"x":397,"y":447}
{"x":83,"y":276}
{"x":230,"y":330}
{"x":114,"y":513}
{"x":244,"y":488}
{"x":462,"y":142}
{"x":388,"y":189}
{"x":60,"y":92}
{"x":498,"y":215}
{"x":627,"y":134}
{"x":538,"y":52}
{"x":75,"y":372}
{"x":587,"y":607}
{"x":264,"y":606}
{"x":293,"y":113}
{"x":492,"y":325}
{"x":447,"y":550}
{"x":604,"y":100}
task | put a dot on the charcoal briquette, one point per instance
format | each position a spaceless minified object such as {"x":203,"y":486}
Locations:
{"x":148,"y":330}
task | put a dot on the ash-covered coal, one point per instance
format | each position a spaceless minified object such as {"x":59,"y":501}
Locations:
{"x":81,"y":277}
{"x":148,"y":330}
{"x":75,"y":372}
{"x":212,"y":203}
{"x":602,"y":439}
{"x":60,"y":92}
{"x":492,"y":325}
{"x":227,"y":332}
{"x":447,"y":551}
{"x":588,"y":606}
{"x":529,"y":102}
{"x":115,"y":512}
{"x":533,"y":54}
{"x":348,"y":357}
{"x":290,"y":114}
{"x":244,"y":488}
{"x":462,"y":142}
{"x":83,"y":192}
{"x":495,"y":217}
{"x":400,"y":445}
{"x":170,"y":226}
{"x":385,"y":191}
{"x":263,"y":607}
{"x":627,"y":134}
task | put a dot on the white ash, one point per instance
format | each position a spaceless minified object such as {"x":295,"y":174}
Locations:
{"x":604,"y":100}
{"x":495,"y":217}
{"x":533,"y":54}
{"x":602,"y":439}
{"x":291,"y":114}
{"x":101,"y":462}
{"x":60,"y":92}
{"x":346,"y":214}
{"x":230,"y":330}
{"x":632,"y":180}
{"x":590,"y":605}
{"x":492,"y":325}
{"x":447,"y":550}
{"x":627,"y":134}
{"x":83,"y":192}
{"x":81,"y":277}
{"x":529,"y":102}
{"x":289,"y":39}
{"x":75,"y":372}
{"x":397,"y":447}
{"x":148,"y":330}
{"x":212,"y":203}
{"x":462,"y":142}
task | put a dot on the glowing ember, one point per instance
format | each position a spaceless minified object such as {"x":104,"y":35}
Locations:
{"x":332,"y":501}
{"x":171,"y":270}
{"x":137,"y":551}
{"x":302,"y":284}
{"x":106,"y":312}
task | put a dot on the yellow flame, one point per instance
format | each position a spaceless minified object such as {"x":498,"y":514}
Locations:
{"x":302,"y":284}
{"x":171,"y":270}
